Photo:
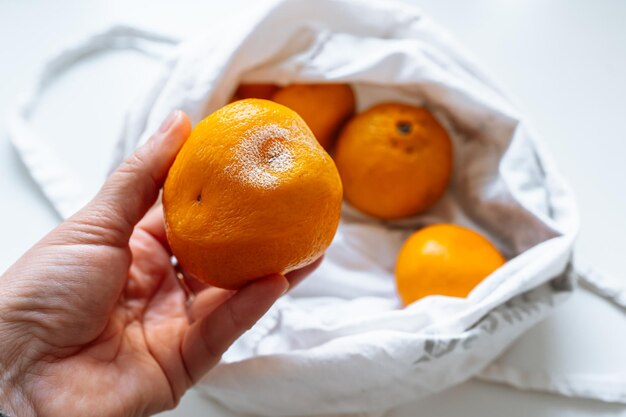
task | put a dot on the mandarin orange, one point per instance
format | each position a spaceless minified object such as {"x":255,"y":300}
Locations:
{"x":395,"y":160}
{"x":250,"y":193}
{"x":324,"y":107}
{"x":264,"y":91}
{"x":444,"y":259}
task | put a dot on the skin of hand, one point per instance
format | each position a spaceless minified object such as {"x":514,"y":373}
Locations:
{"x":92,"y":319}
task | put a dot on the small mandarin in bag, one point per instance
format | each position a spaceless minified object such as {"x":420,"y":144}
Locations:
{"x":324,"y":107}
{"x":264,"y":91}
{"x":444,"y":259}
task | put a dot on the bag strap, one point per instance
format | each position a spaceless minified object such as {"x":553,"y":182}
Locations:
{"x":602,"y":285}
{"x":60,"y":186}
{"x":604,"y":387}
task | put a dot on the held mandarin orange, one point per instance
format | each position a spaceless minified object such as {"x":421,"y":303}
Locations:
{"x":250,"y":193}
{"x":324,"y":107}
{"x":264,"y":91}
{"x":395,"y":160}
{"x":444,"y":259}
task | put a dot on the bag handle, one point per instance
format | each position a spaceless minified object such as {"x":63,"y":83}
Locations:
{"x":602,"y":285}
{"x":603,"y":387}
{"x":60,"y":186}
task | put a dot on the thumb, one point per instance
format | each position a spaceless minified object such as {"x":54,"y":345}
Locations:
{"x":134,"y":186}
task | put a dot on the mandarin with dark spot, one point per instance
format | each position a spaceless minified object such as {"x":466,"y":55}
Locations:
{"x":395,"y":160}
{"x":250,"y":193}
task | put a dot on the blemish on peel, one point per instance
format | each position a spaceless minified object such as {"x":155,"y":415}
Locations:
{"x":261,"y":156}
{"x":404,"y":127}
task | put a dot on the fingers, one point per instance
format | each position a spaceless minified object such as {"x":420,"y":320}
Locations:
{"x":208,"y":338}
{"x":132,"y":189}
{"x":297,"y":276}
{"x":193,"y":284}
{"x":207,"y":298}
{"x":220,"y":316}
{"x":154,"y":224}
{"x":206,"y":301}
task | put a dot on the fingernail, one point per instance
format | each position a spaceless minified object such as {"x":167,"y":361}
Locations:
{"x":169,"y":121}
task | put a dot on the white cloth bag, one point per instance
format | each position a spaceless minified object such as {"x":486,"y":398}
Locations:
{"x":340,"y":342}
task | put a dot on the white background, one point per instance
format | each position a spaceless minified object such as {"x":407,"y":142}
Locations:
{"x":563,"y":60}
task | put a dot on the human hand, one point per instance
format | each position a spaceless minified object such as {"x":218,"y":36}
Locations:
{"x":92,"y":319}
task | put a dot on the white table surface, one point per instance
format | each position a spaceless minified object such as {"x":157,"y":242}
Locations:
{"x":563,"y":60}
